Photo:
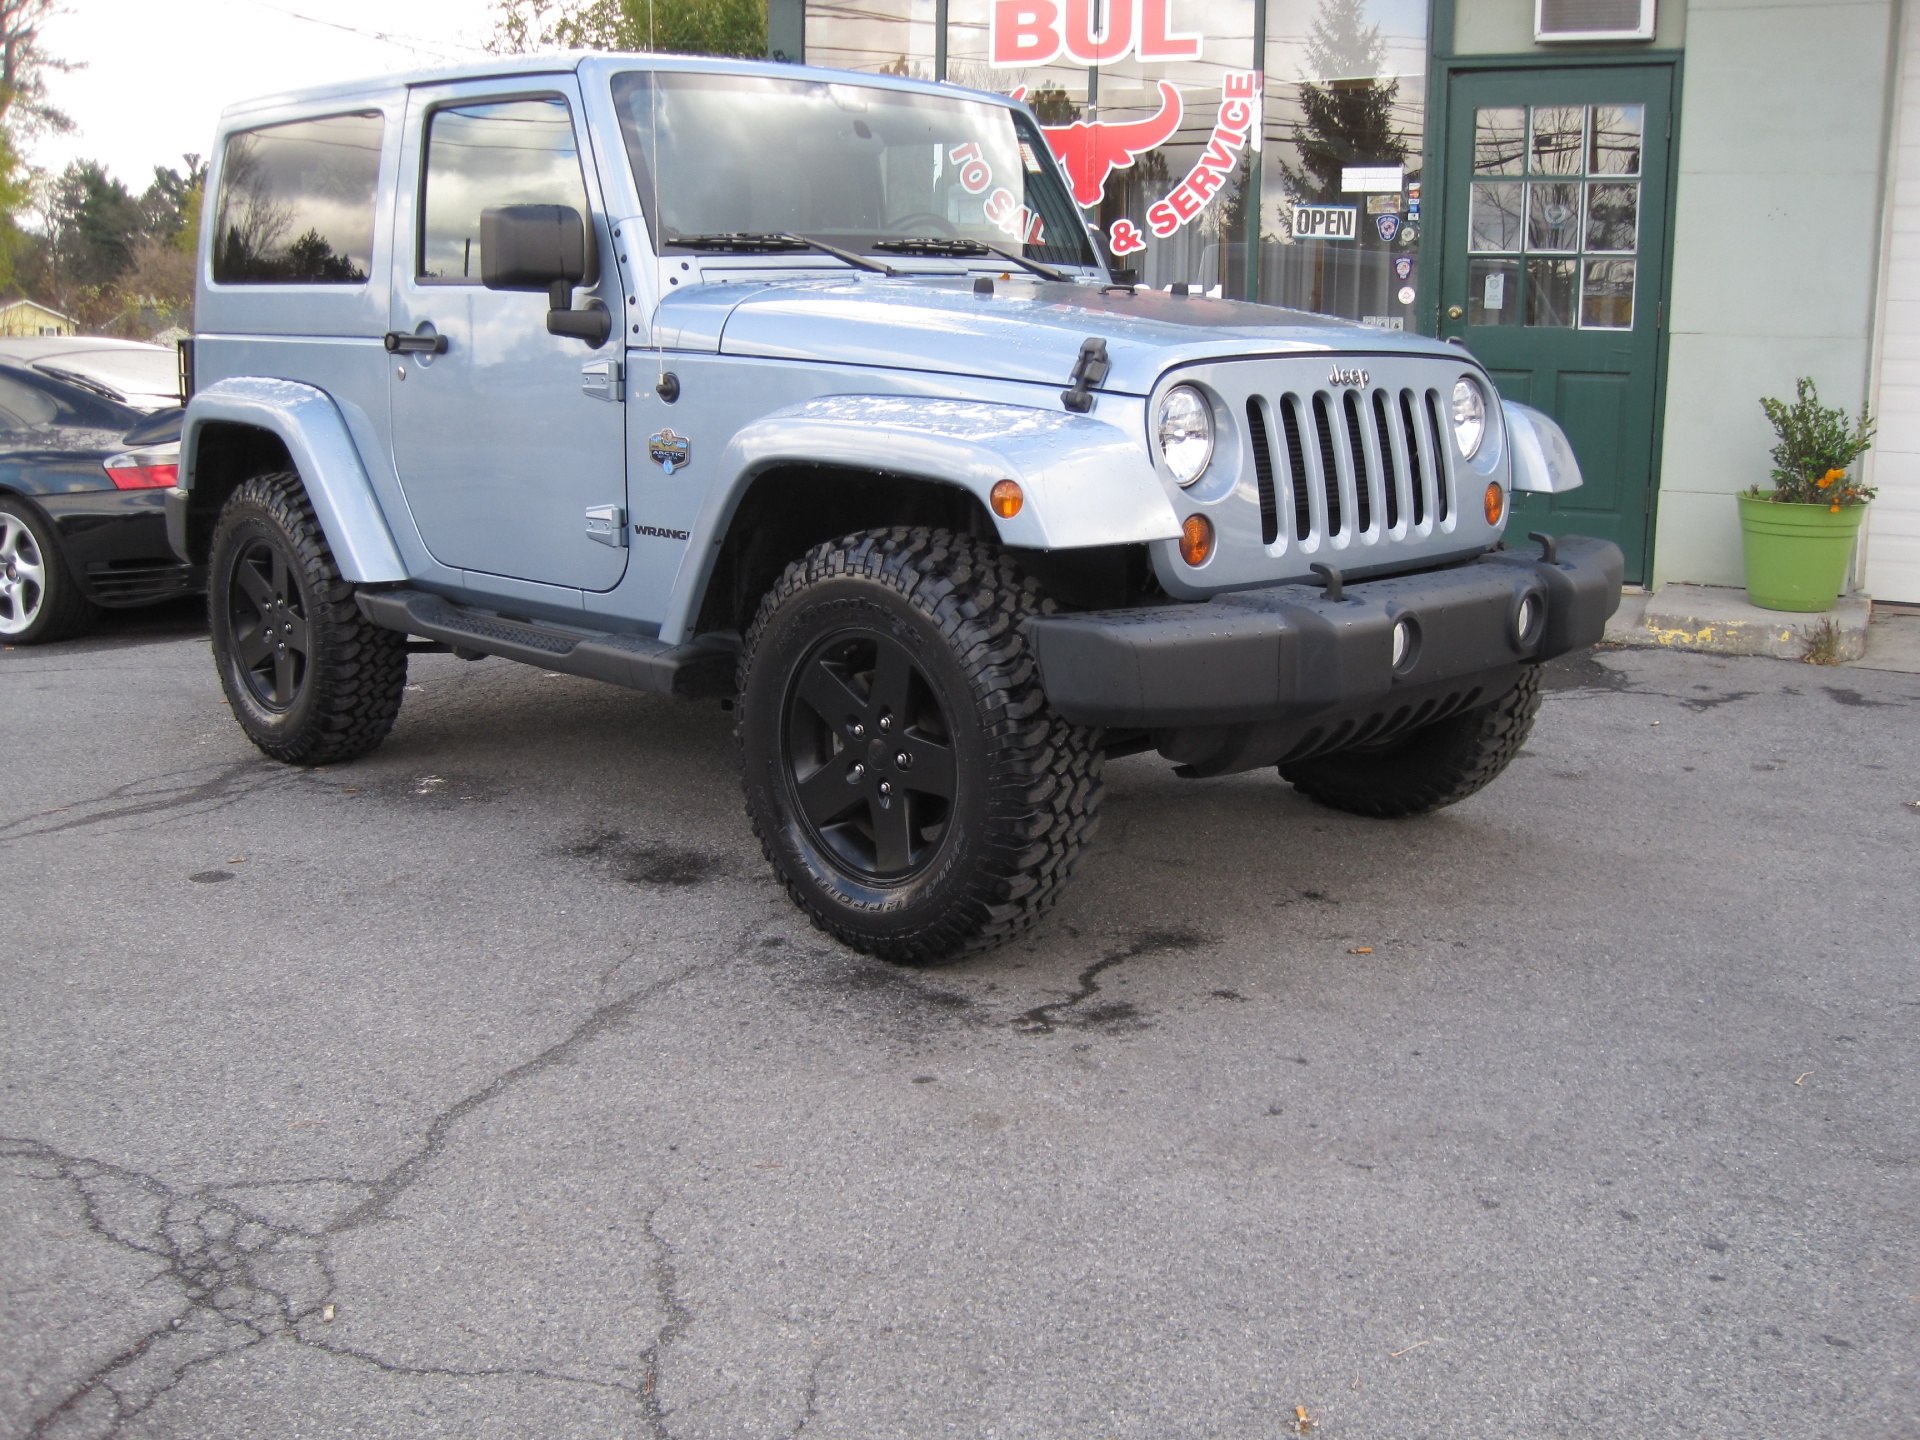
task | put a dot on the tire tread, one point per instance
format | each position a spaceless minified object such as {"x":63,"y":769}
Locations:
{"x":363,"y":676}
{"x":1432,"y":768}
{"x":1045,"y":783}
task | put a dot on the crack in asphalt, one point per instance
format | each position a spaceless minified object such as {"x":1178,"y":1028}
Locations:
{"x":240,"y":1279}
{"x":810,"y":1398}
{"x":666,"y":1287}
{"x":213,"y":793}
{"x":387,"y":1188}
{"x":243,"y":1280}
{"x":1044,"y":1019}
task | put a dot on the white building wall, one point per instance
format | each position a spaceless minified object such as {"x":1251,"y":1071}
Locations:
{"x":1777,"y":227}
{"x":1892,"y":544}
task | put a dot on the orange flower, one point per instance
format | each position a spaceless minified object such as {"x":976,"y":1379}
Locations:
{"x":1832,"y":475}
{"x":1833,"y":509}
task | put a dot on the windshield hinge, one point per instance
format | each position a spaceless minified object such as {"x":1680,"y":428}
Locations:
{"x":603,"y":380}
{"x":607,"y":524}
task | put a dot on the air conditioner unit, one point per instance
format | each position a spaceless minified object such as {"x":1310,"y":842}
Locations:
{"x":1557,"y":20}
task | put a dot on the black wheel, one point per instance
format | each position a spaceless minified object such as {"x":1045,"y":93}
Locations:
{"x":309,"y":679}
{"x":39,"y":598}
{"x":1437,"y":765}
{"x":902,"y":768}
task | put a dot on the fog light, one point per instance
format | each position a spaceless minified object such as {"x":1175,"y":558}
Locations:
{"x":1402,"y":643}
{"x":1496,"y":502}
{"x":1007,"y":499}
{"x":1526,"y":619}
{"x":1196,"y":540}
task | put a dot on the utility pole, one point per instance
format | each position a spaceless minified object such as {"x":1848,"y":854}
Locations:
{"x":1256,"y":152}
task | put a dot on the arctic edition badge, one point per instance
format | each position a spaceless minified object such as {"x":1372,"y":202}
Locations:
{"x":669,"y":451}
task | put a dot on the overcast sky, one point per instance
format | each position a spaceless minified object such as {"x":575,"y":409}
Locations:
{"x":159,"y":72}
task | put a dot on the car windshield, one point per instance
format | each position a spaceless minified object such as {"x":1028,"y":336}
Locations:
{"x":856,"y":165}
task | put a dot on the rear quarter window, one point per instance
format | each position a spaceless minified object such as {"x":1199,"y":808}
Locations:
{"x":297,"y":201}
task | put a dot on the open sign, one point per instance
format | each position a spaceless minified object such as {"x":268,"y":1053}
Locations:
{"x":1324,"y":222}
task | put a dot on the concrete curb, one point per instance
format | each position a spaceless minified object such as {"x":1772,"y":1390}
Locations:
{"x":1718,"y":620}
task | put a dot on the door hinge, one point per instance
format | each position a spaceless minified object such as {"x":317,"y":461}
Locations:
{"x":1659,"y":314}
{"x":608,"y":525}
{"x":604,"y":380}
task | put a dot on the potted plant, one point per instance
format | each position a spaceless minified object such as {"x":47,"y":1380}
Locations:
{"x":1799,"y":537}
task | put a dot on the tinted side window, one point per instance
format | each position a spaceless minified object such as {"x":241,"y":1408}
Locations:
{"x":296,"y":203}
{"x":504,"y":152}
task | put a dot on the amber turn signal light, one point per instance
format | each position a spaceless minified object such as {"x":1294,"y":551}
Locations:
{"x":1496,"y":502}
{"x":1196,"y":540}
{"x":1007,"y":499}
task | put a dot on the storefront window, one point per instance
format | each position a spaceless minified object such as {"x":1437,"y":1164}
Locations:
{"x":1168,"y":124}
{"x":888,"y":37}
{"x":1346,"y":101}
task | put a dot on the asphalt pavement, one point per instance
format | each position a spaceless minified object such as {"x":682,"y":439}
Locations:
{"x":490,"y":1087}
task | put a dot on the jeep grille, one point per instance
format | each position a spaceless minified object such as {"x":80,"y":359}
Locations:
{"x":1359,"y":474}
{"x":1348,"y":456}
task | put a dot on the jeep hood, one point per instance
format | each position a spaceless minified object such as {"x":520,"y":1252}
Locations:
{"x":1027,"y":330}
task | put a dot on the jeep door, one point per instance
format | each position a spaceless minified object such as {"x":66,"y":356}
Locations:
{"x":511,"y":444}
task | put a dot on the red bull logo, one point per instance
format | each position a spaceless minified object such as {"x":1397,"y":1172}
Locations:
{"x":1090,"y":150}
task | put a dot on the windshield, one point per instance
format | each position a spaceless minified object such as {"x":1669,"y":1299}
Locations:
{"x":142,"y":377}
{"x":848,"y":163}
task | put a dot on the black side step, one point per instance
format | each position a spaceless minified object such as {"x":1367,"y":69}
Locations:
{"x":696,"y":670}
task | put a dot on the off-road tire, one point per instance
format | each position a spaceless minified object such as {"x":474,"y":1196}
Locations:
{"x":1027,"y":786}
{"x":1440,"y":764}
{"x":354,"y":673}
{"x":61,"y":609}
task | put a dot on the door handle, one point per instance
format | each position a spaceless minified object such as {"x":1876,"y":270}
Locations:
{"x":401,"y":344}
{"x":1454,"y":312}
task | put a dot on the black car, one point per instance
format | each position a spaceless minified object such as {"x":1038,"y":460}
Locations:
{"x":83,"y":478}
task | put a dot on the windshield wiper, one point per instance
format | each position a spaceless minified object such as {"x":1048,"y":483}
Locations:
{"x":85,"y":382}
{"x":961,"y":249}
{"x":749,"y":242}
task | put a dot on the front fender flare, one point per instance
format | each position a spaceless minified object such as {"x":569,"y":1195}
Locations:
{"x":310,"y":425}
{"x":1087,"y":478}
{"x":1543,"y":461}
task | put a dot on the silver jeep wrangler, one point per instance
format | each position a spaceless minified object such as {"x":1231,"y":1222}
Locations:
{"x":808,"y":392}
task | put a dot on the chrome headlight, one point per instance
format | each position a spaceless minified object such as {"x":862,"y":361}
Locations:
{"x":1469,"y":416}
{"x":1184,"y":429}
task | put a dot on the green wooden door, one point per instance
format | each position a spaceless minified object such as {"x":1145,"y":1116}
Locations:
{"x":1553,"y":267}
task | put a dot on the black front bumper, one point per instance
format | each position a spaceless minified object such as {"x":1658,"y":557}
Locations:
{"x":1261,"y":676}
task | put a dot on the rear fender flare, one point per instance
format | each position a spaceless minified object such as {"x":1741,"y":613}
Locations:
{"x":1086,"y":480}
{"x":309,"y":424}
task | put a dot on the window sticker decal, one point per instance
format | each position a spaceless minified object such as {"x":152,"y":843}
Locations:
{"x":1091,"y":149}
{"x":1039,"y":32}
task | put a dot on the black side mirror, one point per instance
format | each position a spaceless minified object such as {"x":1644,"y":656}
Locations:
{"x":543,"y":247}
{"x":532,"y":247}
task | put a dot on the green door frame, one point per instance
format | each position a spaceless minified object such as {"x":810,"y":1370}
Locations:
{"x":1442,"y":67}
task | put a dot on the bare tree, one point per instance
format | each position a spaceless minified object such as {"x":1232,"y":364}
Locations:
{"x":25,"y":65}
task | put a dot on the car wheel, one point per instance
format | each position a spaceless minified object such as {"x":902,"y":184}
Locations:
{"x":1439,"y":764}
{"x":39,"y":598}
{"x":309,"y":678}
{"x":902,"y":768}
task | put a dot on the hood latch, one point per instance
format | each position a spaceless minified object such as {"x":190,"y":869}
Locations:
{"x":1088,"y":371}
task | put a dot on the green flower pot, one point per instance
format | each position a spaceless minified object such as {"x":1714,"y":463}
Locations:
{"x":1797,"y":554}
